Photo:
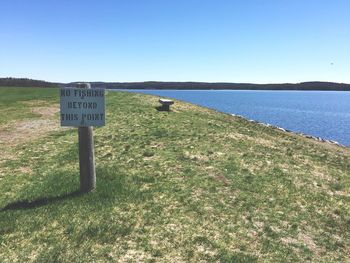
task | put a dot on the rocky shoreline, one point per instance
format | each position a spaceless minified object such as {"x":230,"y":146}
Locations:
{"x":289,"y":131}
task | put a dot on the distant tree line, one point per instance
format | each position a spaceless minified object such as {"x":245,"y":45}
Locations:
{"x":25,"y":82}
{"x":223,"y":86}
{"x":316,"y":85}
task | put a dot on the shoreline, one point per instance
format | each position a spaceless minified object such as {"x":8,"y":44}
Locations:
{"x":308,"y":136}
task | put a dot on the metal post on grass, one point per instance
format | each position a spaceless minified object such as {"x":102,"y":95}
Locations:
{"x":86,"y":154}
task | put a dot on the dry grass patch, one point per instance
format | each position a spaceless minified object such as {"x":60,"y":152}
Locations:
{"x":46,"y":112}
{"x":25,"y":131}
{"x":18,"y":132}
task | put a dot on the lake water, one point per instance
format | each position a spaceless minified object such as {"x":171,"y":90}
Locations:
{"x":324,"y":114}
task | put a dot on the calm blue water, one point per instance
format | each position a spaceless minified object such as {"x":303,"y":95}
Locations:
{"x":323,"y":114}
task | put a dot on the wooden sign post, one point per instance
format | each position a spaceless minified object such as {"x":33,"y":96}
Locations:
{"x":84,"y":107}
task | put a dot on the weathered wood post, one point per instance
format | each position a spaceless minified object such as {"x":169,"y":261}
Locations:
{"x":86,"y":154}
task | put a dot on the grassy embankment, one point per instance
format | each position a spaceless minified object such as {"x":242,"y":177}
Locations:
{"x":188,"y":185}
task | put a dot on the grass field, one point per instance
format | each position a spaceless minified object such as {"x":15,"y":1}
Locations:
{"x":191,"y":185}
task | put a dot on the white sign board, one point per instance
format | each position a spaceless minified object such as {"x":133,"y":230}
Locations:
{"x":82,"y":107}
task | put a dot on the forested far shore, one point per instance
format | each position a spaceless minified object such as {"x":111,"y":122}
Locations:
{"x":330,"y":86}
{"x":315,"y":85}
{"x":25,"y":82}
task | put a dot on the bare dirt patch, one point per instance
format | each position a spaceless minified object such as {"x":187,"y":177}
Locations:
{"x":46,"y":111}
{"x":23,"y":131}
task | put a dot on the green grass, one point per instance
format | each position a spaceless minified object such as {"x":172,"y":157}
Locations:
{"x":185,"y":186}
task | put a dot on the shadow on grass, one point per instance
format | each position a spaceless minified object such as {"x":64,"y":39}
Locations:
{"x":113,"y":185}
{"x":162,"y":108}
{"x":25,"y":204}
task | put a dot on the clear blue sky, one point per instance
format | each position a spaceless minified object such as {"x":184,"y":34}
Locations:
{"x":261,"y":41}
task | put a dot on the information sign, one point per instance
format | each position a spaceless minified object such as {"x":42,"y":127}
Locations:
{"x":82,"y":107}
